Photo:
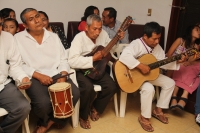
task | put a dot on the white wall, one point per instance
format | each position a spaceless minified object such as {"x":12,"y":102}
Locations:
{"x":72,"y":10}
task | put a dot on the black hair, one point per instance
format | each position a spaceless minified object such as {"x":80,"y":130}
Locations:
{"x":1,"y":15}
{"x":6,"y":12}
{"x":24,"y":12}
{"x":88,"y":11}
{"x":13,"y":20}
{"x":112,"y":12}
{"x":188,"y":35}
{"x":151,"y":27}
{"x":44,"y":13}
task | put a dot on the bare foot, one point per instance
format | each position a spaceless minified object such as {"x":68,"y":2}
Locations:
{"x":43,"y":129}
{"x":94,"y":115}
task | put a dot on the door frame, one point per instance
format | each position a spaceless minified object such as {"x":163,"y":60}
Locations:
{"x":173,"y":24}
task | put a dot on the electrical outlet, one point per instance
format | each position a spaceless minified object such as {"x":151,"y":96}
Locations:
{"x":149,"y":12}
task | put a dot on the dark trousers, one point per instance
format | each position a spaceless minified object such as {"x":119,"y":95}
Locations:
{"x":88,"y":94}
{"x":18,"y":107}
{"x":197,"y":104}
{"x":41,"y":104}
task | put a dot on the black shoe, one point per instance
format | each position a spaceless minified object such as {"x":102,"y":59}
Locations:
{"x":173,"y":106}
{"x":181,"y":106}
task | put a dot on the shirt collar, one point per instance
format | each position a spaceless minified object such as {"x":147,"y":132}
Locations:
{"x":148,"y":48}
{"x":46,"y":35}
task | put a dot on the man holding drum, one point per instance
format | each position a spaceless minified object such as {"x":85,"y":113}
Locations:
{"x":44,"y":59}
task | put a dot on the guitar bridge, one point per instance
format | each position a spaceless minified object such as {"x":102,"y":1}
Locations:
{"x":128,"y":75}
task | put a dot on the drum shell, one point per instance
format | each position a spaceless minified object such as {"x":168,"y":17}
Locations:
{"x":61,"y":99}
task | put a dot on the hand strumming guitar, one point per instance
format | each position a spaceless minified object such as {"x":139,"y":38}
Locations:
{"x":143,"y":68}
{"x":98,"y":56}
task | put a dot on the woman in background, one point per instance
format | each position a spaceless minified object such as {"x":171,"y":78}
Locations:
{"x":8,"y":13}
{"x":187,"y":76}
{"x":88,"y":11}
{"x":54,"y":28}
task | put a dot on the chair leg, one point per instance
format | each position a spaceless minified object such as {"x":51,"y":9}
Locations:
{"x":25,"y":126}
{"x":123,"y":98}
{"x":116,"y":105}
{"x":75,"y":116}
{"x":157,"y":92}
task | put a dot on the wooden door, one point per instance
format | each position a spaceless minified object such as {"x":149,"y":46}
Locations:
{"x":183,"y":14}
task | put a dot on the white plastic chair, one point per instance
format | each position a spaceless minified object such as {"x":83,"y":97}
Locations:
{"x":75,"y":116}
{"x":123,"y":95}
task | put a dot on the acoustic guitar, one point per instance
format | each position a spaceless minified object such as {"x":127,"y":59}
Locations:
{"x":130,"y":80}
{"x":99,"y":67}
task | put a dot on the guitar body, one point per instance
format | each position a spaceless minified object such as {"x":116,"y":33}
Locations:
{"x":98,"y":70}
{"x":131,"y":80}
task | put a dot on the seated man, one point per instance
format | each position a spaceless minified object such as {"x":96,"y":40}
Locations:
{"x":11,"y":99}
{"x":197,"y":107}
{"x":44,"y":58}
{"x":111,"y":25}
{"x":84,"y":43}
{"x":147,"y":44}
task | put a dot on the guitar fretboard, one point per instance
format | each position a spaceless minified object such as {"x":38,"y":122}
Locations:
{"x":164,"y":62}
{"x":157,"y":64}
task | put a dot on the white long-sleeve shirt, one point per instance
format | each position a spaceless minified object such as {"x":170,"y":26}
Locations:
{"x":10,"y":60}
{"x":47,"y":58}
{"x":82,"y":45}
{"x":138,"y":48}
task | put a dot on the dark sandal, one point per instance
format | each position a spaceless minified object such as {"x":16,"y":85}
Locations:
{"x":174,"y":105}
{"x":160,"y":116}
{"x":94,"y":115}
{"x":85,"y":124}
{"x":145,"y":125}
{"x":182,"y":106}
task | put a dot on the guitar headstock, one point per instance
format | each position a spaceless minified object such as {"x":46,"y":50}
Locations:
{"x":126,"y":23}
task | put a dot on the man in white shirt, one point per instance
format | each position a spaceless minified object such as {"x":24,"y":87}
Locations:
{"x":111,"y":25}
{"x":44,"y":58}
{"x":147,"y":44}
{"x":11,"y":99}
{"x":84,"y":43}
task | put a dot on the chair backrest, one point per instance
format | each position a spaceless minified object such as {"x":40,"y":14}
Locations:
{"x":136,"y":31}
{"x":72,"y":30}
{"x":59,"y":24}
{"x":118,"y":50}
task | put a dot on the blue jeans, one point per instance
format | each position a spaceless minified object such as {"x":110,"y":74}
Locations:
{"x":197,"y":104}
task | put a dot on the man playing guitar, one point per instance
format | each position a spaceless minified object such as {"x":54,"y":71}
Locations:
{"x":84,"y":43}
{"x":147,"y":44}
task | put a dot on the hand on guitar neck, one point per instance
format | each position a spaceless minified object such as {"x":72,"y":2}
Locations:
{"x":121,"y":34}
{"x":98,"y":56}
{"x":184,"y":58}
{"x":144,"y":69}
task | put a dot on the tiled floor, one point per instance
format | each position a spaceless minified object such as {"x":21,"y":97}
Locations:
{"x":179,"y":122}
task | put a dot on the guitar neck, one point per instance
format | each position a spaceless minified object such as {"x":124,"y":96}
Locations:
{"x":107,"y":49}
{"x":164,"y":62}
{"x":123,"y":27}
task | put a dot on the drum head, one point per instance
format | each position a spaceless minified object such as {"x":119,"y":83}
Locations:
{"x":59,"y":86}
